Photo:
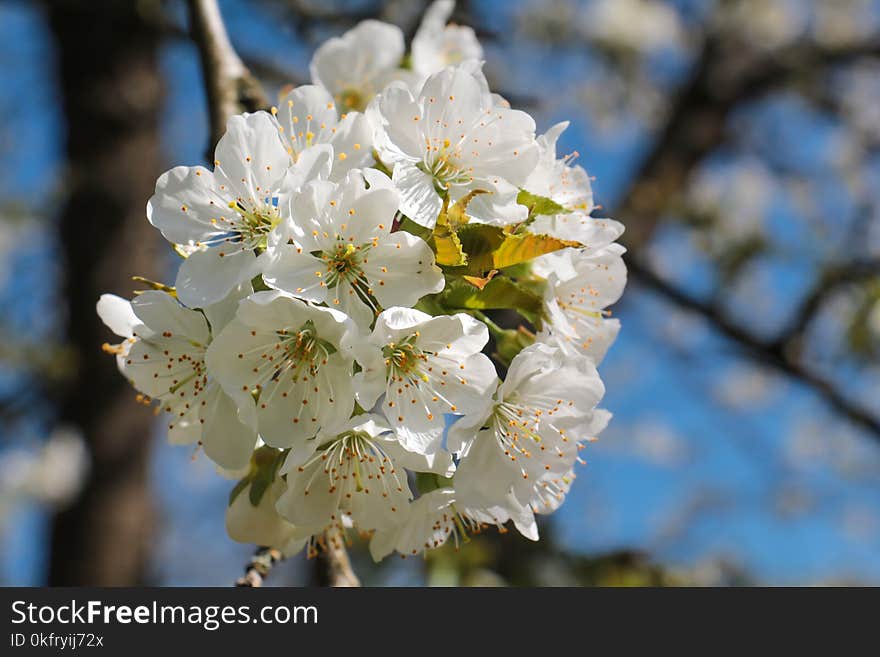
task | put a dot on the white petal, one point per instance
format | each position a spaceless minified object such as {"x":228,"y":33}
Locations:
{"x":221,"y":313}
{"x":226,"y":440}
{"x":353,"y":144}
{"x":485,"y":475}
{"x":437,"y":45}
{"x":294,"y":271}
{"x":359,"y":61}
{"x":428,"y":522}
{"x":411,"y":270}
{"x":260,"y":525}
{"x":117,"y":314}
{"x":418,"y":199}
{"x":396,"y":120}
{"x":164,"y":315}
{"x":313,"y":163}
{"x":185,"y":201}
{"x":251,"y":156}
{"x":206,"y":277}
{"x":308,"y":116}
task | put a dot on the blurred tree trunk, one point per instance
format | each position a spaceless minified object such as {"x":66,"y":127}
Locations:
{"x":111,"y":94}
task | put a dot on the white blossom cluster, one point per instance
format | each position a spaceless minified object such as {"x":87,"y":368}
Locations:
{"x":324,"y":340}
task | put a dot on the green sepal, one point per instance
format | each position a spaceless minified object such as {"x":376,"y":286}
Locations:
{"x":153,"y":285}
{"x":259,"y":284}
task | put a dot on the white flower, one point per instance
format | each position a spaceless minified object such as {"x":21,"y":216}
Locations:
{"x":293,"y":356}
{"x":426,"y":367}
{"x":261,"y":524}
{"x":577,"y":294}
{"x":118,"y":316}
{"x":435,"y":516}
{"x":227,"y":213}
{"x":542,"y":411}
{"x":345,"y":254}
{"x":308,"y":116}
{"x":450,"y":140}
{"x":358,"y":65}
{"x":437,"y":45}
{"x":164,"y":358}
{"x":569,"y":186}
{"x":357,"y":474}
{"x":549,"y":491}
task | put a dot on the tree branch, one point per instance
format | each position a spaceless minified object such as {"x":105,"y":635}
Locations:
{"x":771,"y":353}
{"x":258,"y":567}
{"x":726,"y":74}
{"x":229,"y":85}
{"x":827,"y":285}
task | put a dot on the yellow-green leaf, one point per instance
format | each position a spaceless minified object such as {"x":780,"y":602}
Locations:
{"x":447,"y":249}
{"x":539,"y":205}
{"x":264,"y":465}
{"x":499,"y":293}
{"x":492,"y":247}
{"x":527,"y":246}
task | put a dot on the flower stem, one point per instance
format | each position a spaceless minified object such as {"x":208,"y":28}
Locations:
{"x":496,"y":331}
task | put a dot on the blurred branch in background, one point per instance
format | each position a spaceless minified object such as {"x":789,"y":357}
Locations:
{"x":111,"y":93}
{"x":728,"y":73}
{"x":778,"y":353}
{"x":258,"y":567}
{"x":229,"y":85}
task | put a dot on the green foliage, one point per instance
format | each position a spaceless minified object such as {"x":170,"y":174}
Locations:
{"x":493,"y":247}
{"x":498,"y":294}
{"x":512,"y":341}
{"x":263,"y":467}
{"x":539,"y":205}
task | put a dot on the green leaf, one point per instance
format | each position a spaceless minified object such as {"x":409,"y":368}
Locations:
{"x":499,"y":293}
{"x":492,"y":247}
{"x":263,"y":469}
{"x":237,"y":489}
{"x":445,"y":242}
{"x":511,"y":342}
{"x":447,"y":247}
{"x":539,"y":205}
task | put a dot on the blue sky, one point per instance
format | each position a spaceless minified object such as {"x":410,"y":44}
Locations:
{"x":683,"y":472}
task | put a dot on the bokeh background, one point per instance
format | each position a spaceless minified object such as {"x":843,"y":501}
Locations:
{"x":738,"y":140}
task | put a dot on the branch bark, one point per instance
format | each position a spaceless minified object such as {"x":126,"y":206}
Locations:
{"x":770,"y":353}
{"x":825,"y":287}
{"x":258,"y":567}
{"x":727,"y":73}
{"x":229,"y":85}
